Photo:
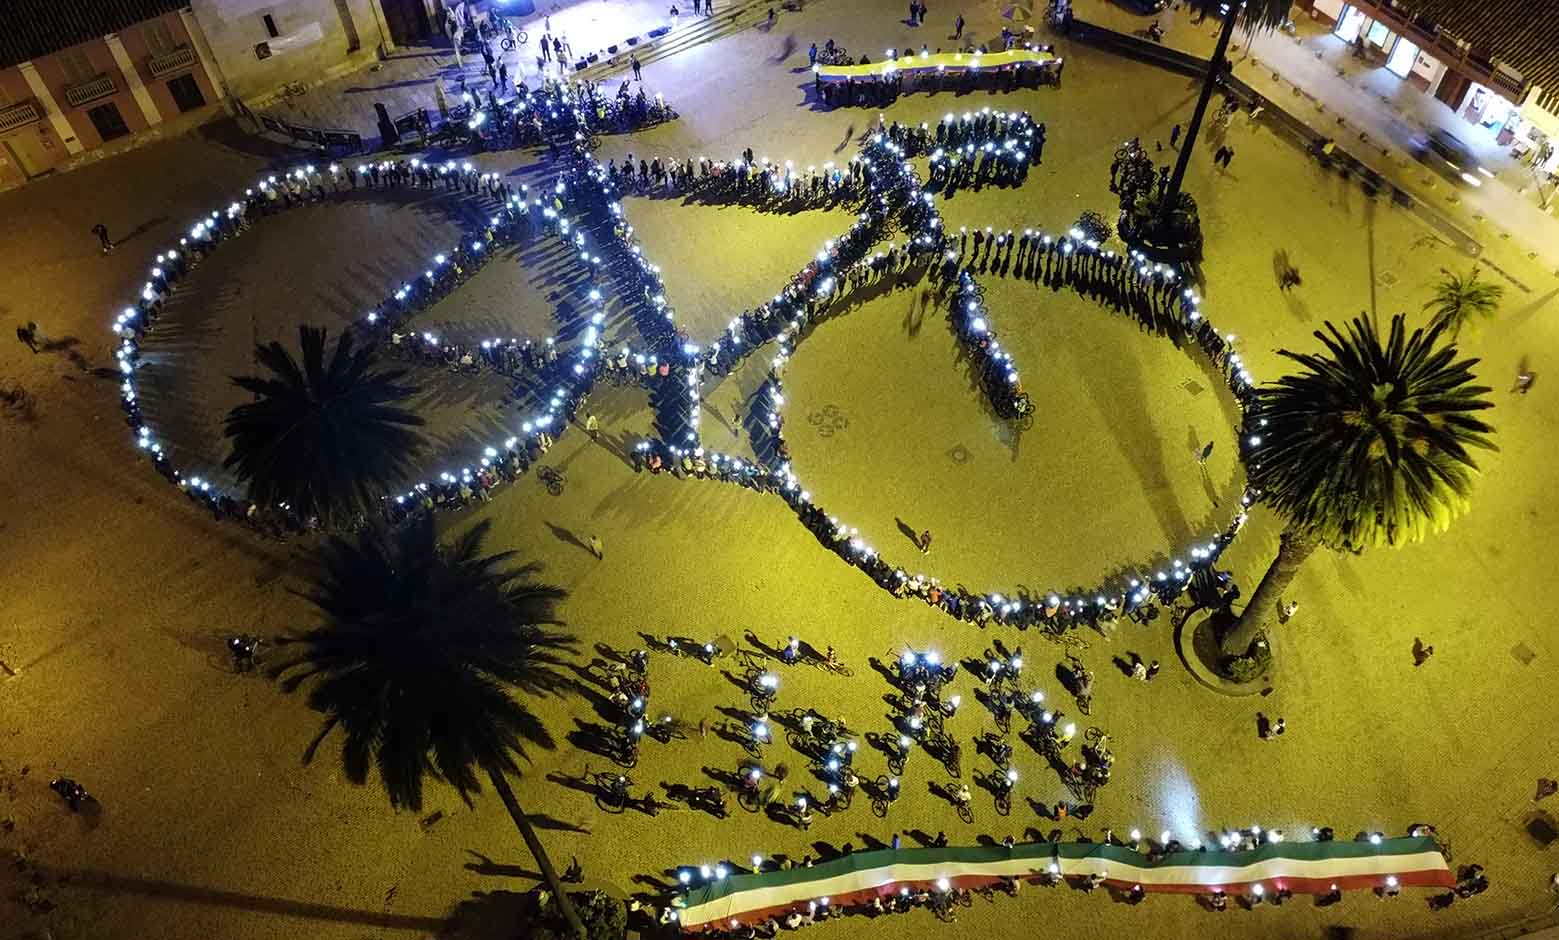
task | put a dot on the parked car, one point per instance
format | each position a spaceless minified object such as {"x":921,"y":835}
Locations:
{"x":1144,"y":7}
{"x":1447,"y":153}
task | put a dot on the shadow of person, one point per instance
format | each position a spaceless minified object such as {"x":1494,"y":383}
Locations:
{"x":908,"y":531}
{"x":567,"y":537}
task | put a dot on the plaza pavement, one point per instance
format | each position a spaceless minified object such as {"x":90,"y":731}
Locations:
{"x":115,"y":594}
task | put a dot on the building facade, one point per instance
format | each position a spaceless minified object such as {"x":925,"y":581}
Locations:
{"x":1495,"y":63}
{"x":263,"y":45}
{"x":72,"y":81}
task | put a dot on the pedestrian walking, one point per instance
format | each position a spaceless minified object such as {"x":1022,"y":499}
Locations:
{"x":503,"y":77}
{"x":1421,"y":653}
{"x":1204,"y":453}
{"x":101,"y":231}
{"x":696,"y":6}
{"x":958,"y":27}
{"x":592,"y":426}
{"x":922,"y":15}
{"x":597,"y":548}
{"x":1174,"y":135}
{"x":546,"y":49}
{"x":1228,"y":154}
{"x":709,"y":7}
{"x":1524,"y":378}
{"x":28,"y":335}
{"x":925,"y":542}
{"x":638,"y":70}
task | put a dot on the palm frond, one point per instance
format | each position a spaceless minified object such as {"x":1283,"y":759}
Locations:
{"x":1371,"y":442}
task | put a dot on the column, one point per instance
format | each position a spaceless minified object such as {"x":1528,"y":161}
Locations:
{"x":41,"y":92}
{"x":197,"y":38}
{"x":133,"y":78}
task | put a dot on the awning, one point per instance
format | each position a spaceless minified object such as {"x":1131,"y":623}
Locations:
{"x":1299,"y":867}
{"x":915,"y":63}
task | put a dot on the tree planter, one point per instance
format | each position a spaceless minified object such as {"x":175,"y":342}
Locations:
{"x":1197,"y":642}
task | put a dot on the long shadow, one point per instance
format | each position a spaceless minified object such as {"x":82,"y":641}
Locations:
{"x":568,"y":538}
{"x":110,"y":883}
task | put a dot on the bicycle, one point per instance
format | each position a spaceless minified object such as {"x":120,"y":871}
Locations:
{"x":949,"y":792}
{"x":552,"y":478}
{"x":611,"y":791}
{"x":884,"y":793}
{"x":835,"y":667}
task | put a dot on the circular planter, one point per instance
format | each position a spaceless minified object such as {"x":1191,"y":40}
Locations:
{"x":1196,"y":643}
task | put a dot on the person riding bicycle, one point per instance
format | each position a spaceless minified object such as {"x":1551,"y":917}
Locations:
{"x":617,"y":787}
{"x":831,"y":656}
{"x":962,"y":796}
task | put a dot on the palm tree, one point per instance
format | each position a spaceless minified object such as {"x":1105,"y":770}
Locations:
{"x":1458,"y":300}
{"x":418,"y":652}
{"x":1368,"y":446}
{"x":1263,"y":15}
{"x":329,"y":439}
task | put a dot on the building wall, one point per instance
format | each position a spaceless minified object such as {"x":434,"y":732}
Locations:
{"x":138,"y":46}
{"x":315,"y":40}
{"x":51,"y":69}
{"x":1328,"y":11}
{"x":40,"y":143}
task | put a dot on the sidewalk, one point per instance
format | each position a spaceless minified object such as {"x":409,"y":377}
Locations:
{"x":407,"y":79}
{"x":1369,"y":112}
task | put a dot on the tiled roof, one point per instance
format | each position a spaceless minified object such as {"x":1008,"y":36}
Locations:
{"x":1522,"y":33}
{"x":32,"y":28}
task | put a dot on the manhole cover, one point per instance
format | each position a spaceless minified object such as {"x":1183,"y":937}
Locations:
{"x":959,"y":454}
{"x":828,"y":420}
{"x":1193,"y":388}
{"x":1523,"y":654}
{"x":1387,"y":279}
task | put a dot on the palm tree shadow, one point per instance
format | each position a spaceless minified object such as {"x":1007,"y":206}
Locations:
{"x":110,"y":883}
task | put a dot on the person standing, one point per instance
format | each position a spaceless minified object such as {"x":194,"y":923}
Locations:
{"x":958,"y":27}
{"x":638,"y":70}
{"x":592,"y":426}
{"x":925,"y":542}
{"x":812,"y":55}
{"x":546,"y":49}
{"x":28,"y":335}
{"x":1174,"y":135}
{"x":101,"y":231}
{"x":596,"y":548}
{"x":922,"y":21}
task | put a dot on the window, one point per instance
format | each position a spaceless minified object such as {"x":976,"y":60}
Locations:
{"x":78,"y":68}
{"x":159,"y":37}
{"x":270,"y":26}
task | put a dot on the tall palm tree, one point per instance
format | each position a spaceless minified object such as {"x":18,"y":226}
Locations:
{"x":1458,"y":300}
{"x":328,"y":438}
{"x":416,"y":658}
{"x":1262,"y":15}
{"x":1370,"y":445}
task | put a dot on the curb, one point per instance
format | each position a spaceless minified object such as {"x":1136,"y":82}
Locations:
{"x":1185,"y":649}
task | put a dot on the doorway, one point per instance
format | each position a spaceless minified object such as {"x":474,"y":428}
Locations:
{"x":108,"y":121}
{"x":33,"y":153}
{"x":407,"y":19}
{"x":186,"y":93}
